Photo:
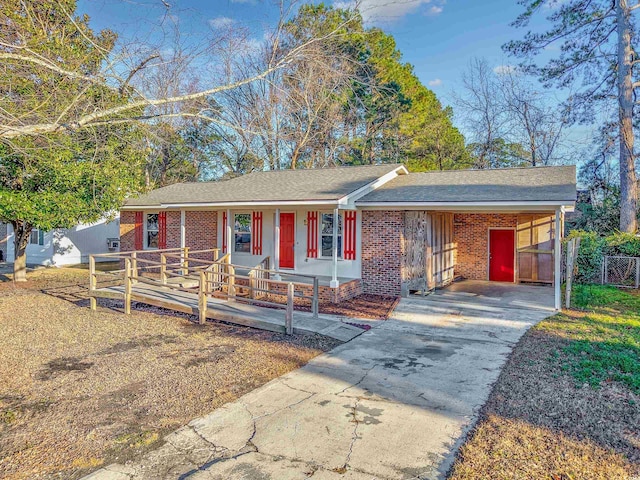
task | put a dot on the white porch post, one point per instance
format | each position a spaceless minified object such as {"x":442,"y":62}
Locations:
{"x":276,"y":242}
{"x":334,"y":276}
{"x":229,"y":232}
{"x":557,"y":258}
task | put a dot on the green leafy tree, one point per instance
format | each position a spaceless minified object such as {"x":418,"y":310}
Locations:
{"x":388,"y":115}
{"x":598,"y":203}
{"x":498,"y":153}
{"x":58,"y":179}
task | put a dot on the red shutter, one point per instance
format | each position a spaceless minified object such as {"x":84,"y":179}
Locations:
{"x":312,"y":234}
{"x":349,"y":235}
{"x":257,"y":233}
{"x":224,"y":232}
{"x":138,"y":232}
{"x":162,"y":230}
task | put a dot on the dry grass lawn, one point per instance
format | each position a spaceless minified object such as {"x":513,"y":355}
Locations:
{"x":567,"y":404}
{"x":80,"y":389}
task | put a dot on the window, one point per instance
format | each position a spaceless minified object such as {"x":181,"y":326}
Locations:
{"x":242,"y":230}
{"x":326,"y":235}
{"x":152,"y":230}
{"x":36,"y":237}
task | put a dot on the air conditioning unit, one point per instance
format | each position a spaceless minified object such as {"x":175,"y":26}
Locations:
{"x":113,"y":244}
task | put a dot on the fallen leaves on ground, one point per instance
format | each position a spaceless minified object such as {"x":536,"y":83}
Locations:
{"x":79,"y":389}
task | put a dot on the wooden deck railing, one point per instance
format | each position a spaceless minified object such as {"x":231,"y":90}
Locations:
{"x":178,"y":270}
{"x":264,"y":288}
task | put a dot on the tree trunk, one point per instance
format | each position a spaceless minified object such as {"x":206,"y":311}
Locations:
{"x":294,"y":157}
{"x":21,"y":234}
{"x":628,"y":183}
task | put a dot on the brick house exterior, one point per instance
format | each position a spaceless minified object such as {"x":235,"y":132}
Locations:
{"x":392,"y":224}
{"x":200,"y":230}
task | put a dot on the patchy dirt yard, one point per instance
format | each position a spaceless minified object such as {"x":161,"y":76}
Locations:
{"x":567,"y":404}
{"x":372,"y":307}
{"x":80,"y":389}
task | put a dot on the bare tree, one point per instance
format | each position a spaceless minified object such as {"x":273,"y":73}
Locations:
{"x":291,"y":118}
{"x":530,"y":120}
{"x":511,"y":121}
{"x":129,"y":69}
{"x":482,"y":110}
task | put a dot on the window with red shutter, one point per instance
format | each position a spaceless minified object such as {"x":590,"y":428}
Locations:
{"x":312,"y":234}
{"x":224,"y":232}
{"x":138,"y":233}
{"x":257,"y":233}
{"x":162,"y":230}
{"x":350,"y":235}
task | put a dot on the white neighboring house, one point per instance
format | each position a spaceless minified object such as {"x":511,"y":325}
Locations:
{"x":65,"y":246}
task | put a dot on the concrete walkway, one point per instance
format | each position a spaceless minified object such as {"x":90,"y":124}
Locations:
{"x":394,"y":403}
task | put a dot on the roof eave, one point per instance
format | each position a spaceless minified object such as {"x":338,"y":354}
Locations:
{"x":271,"y":203}
{"x":568,"y":205}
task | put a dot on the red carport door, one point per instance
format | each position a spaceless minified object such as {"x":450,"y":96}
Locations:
{"x":287,"y":239}
{"x":501,"y":255}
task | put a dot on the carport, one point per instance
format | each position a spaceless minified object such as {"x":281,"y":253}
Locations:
{"x":482,"y":225}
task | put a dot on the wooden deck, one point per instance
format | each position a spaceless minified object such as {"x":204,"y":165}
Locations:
{"x":235,"y":312}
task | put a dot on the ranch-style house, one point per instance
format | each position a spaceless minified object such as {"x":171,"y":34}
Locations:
{"x":369,"y":229}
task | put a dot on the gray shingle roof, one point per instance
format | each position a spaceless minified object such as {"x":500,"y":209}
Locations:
{"x":326,"y":184}
{"x":509,"y":184}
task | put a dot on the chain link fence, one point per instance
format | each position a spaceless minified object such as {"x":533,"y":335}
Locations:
{"x":621,"y":271}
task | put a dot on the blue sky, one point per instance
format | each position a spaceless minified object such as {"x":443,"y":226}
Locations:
{"x":439,"y":37}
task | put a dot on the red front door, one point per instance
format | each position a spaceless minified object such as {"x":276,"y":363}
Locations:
{"x":501,"y":255}
{"x":287,"y":239}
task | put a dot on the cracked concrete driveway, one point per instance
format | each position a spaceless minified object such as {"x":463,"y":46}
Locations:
{"x":394,"y":403}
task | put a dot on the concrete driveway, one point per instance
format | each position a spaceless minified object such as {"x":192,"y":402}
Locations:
{"x":394,"y":403}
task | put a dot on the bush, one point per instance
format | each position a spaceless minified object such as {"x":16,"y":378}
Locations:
{"x":625,"y":244}
{"x":590,"y":254}
{"x":593,"y":248}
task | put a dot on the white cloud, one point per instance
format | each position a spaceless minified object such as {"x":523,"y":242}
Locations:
{"x":555,"y":4}
{"x":436,"y":82}
{"x":221,"y":22}
{"x":504,"y":69}
{"x":389,"y":10}
{"x":167,"y":52}
{"x":253,"y":44}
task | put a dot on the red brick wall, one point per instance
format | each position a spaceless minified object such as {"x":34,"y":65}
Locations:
{"x":326,"y":294}
{"x":173,"y":229}
{"x":471,"y":233}
{"x":201,"y":230}
{"x":127,"y":231}
{"x":382,"y":251}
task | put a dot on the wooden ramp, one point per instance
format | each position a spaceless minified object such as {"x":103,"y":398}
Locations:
{"x":235,"y":312}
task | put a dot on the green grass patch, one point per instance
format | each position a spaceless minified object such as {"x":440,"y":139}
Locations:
{"x":603,"y":338}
